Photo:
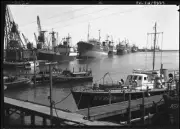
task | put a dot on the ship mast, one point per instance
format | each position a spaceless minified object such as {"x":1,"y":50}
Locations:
{"x":154,"y":45}
{"x":99,"y":35}
{"x":53,"y":39}
{"x":88,"y":32}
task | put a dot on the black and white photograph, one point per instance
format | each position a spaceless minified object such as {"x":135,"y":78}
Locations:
{"x":90,"y":65}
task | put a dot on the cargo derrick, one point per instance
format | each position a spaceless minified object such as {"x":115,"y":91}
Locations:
{"x":13,"y":43}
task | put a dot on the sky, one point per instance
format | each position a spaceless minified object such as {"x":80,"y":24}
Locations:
{"x":132,"y":22}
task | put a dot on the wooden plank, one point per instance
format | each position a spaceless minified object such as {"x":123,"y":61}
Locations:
{"x":72,"y":117}
{"x":117,"y":108}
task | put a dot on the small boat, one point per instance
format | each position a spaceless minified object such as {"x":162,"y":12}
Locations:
{"x":14,"y":64}
{"x":135,"y":84}
{"x":14,"y":82}
{"x":65,"y":76}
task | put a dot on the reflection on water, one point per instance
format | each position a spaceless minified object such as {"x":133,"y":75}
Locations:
{"x":118,"y":66}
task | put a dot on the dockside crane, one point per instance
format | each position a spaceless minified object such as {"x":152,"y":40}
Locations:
{"x":41,"y":37}
{"x":12,"y":35}
{"x":25,"y":39}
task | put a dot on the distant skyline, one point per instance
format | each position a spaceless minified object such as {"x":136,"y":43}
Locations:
{"x":132,"y":22}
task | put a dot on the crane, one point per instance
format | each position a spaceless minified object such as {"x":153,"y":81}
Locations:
{"x":39,"y":25}
{"x":25,"y":39}
{"x":12,"y":35}
{"x":35,"y":38}
{"x":41,"y":38}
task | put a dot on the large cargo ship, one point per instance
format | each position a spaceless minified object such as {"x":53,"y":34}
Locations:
{"x":93,"y":48}
{"x":134,"y":48}
{"x":123,"y":48}
{"x":58,"y":53}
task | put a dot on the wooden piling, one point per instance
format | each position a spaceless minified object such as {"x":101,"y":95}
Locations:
{"x":22,"y":118}
{"x":34,"y":70}
{"x":129,"y":109}
{"x":51,"y":105}
{"x":7,"y":115}
{"x":143,"y":108}
{"x":89,"y":110}
{"x":124,"y":95}
{"x":109,"y":97}
{"x":44,"y":121}
{"x":32,"y":119}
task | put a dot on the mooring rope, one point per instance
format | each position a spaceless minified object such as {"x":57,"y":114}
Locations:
{"x":79,"y":100}
{"x":63,"y":98}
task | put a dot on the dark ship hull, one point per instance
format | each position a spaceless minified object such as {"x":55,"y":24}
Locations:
{"x":121,"y":51}
{"x":86,"y":49}
{"x":52,"y":56}
{"x":97,"y":98}
{"x":134,"y":49}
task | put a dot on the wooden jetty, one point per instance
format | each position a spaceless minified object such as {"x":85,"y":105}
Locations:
{"x":59,"y":116}
{"x":104,"y":111}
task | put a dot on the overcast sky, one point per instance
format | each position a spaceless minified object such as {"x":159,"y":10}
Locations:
{"x":132,"y":22}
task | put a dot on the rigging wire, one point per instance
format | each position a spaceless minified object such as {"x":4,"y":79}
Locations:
{"x":63,"y":98}
{"x":81,"y":15}
{"x":57,"y":16}
{"x":130,"y":10}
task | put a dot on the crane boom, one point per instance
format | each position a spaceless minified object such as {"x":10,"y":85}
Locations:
{"x":25,"y":39}
{"x":39,"y":25}
{"x":35,"y":38}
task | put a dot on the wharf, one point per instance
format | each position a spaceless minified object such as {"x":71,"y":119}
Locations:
{"x":44,"y":111}
{"x":105,"y":111}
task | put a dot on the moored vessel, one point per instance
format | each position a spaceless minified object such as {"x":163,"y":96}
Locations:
{"x":16,"y":82}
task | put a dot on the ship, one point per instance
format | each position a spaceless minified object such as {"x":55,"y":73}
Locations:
{"x":59,"y":53}
{"x":91,"y":48}
{"x":134,"y":48}
{"x":123,"y":48}
{"x":109,"y":46}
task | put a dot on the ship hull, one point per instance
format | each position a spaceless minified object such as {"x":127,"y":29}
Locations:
{"x":83,"y":99}
{"x":50,"y":56}
{"x":88,"y":50}
{"x":17,"y":83}
{"x":121,"y":52}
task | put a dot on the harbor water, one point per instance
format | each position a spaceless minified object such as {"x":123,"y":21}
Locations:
{"x":118,"y":67}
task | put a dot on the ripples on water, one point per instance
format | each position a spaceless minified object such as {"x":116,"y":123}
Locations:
{"x":118,"y":66}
